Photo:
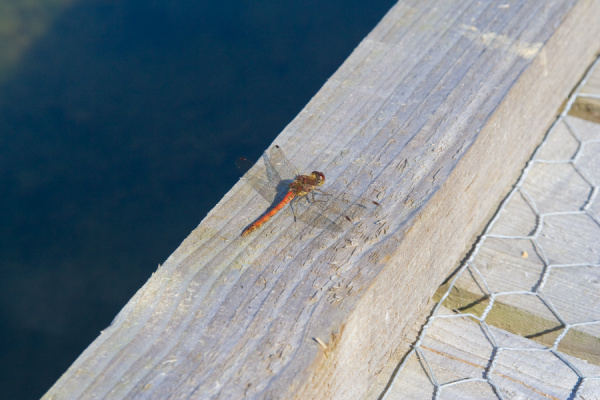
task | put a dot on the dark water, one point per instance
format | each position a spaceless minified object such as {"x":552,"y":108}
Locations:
{"x":118,"y":133}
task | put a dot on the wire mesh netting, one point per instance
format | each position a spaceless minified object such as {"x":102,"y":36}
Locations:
{"x":520,"y":319}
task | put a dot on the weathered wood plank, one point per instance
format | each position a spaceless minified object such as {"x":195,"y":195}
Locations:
{"x":423,"y":117}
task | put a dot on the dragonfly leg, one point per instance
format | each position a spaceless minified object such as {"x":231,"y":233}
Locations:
{"x":292,"y":206}
{"x":317,"y":200}
{"x":297,"y":199}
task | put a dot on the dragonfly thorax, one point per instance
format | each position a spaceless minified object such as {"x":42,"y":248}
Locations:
{"x":304,"y":184}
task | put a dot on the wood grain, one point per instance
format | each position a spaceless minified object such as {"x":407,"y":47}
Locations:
{"x":433,"y":116}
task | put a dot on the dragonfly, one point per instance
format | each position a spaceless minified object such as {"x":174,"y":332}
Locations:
{"x":281,"y":184}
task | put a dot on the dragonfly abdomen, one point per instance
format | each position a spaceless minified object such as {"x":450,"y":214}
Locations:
{"x":258,"y":223}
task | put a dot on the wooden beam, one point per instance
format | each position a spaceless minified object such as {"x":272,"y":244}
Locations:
{"x":433,"y":115}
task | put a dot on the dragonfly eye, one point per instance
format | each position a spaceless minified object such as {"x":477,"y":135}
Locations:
{"x":319,"y":176}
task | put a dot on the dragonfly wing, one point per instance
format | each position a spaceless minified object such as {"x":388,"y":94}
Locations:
{"x":313,"y":214}
{"x":281,"y":166}
{"x":336,"y":212}
{"x":255,"y":179}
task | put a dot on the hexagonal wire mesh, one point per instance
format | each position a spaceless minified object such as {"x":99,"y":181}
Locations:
{"x":521,"y":317}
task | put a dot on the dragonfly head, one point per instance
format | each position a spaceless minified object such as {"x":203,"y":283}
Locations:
{"x":319,"y":177}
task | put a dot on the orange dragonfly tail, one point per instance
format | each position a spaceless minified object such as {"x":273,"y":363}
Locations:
{"x":258,"y":223}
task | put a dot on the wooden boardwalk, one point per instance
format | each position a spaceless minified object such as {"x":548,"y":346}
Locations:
{"x":522,"y":319}
{"x":433,"y":115}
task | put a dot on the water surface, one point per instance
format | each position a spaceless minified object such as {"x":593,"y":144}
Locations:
{"x":119,"y":125}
